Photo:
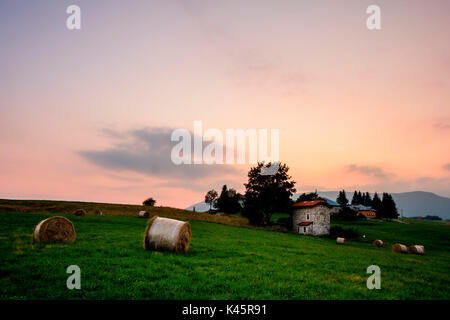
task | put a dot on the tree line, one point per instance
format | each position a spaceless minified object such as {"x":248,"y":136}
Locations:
{"x":385,"y":207}
{"x":229,"y":200}
{"x":267,"y":194}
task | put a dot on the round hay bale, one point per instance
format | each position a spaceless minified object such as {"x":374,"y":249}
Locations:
{"x":98,"y":212}
{"x":144,"y":214}
{"x":54,"y":229}
{"x":340,"y":240}
{"x":80,"y":213}
{"x":399,"y":248}
{"x":165,"y":234}
{"x":378,"y":243}
{"x":417,"y":249}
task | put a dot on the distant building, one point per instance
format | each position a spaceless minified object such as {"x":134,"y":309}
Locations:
{"x":366,"y":211}
{"x":371,"y":214}
{"x":312,"y":217}
{"x":335,"y":207}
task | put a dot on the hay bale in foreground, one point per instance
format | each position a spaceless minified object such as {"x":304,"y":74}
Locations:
{"x":340,"y":240}
{"x":417,"y":249}
{"x":54,"y":229}
{"x":144,"y":214}
{"x":80,"y":213}
{"x":165,"y":234}
{"x":378,"y":243}
{"x":399,"y":248}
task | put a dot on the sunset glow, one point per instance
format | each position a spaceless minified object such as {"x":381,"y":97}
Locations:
{"x":81,"y":111}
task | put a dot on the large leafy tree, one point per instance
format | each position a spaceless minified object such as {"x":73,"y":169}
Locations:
{"x":266,"y":194}
{"x":210,"y":198}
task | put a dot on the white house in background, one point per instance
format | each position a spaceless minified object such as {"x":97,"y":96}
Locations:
{"x":312,"y":217}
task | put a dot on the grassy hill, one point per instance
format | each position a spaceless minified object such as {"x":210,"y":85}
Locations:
{"x":111,"y":209}
{"x":223,"y":262}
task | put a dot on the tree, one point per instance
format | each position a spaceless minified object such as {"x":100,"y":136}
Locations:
{"x":210,"y":197}
{"x":149,"y":202}
{"x":360,"y":198}
{"x":312,"y":196}
{"x":346,"y":213}
{"x":376,"y":203}
{"x":388,"y":207}
{"x":367,"y":200}
{"x":221,"y":202}
{"x":265,"y":194}
{"x":432,"y":218}
{"x":229,"y":201}
{"x":342,"y":198}
{"x":355,"y":199}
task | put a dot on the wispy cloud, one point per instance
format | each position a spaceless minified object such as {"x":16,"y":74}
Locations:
{"x":442,"y":125}
{"x":446,"y":166}
{"x":148,"y":151}
{"x":368,"y":170}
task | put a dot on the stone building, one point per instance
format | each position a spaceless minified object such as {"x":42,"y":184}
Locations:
{"x":312,"y":217}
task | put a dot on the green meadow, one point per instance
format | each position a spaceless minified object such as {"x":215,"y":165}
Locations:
{"x":223,"y":262}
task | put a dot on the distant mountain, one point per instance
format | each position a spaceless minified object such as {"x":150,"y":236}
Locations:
{"x":420,"y":203}
{"x":410,"y":204}
{"x":199,"y":207}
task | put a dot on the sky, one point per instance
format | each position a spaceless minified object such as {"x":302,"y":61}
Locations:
{"x":88,"y":114}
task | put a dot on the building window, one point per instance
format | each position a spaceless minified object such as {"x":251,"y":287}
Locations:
{"x":307,"y":217}
{"x":304,"y":230}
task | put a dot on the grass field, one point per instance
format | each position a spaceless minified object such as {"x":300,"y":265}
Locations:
{"x":223,"y":262}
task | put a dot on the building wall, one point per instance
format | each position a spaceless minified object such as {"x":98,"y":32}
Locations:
{"x":304,"y":229}
{"x":319,"y":215}
{"x":368,"y":214}
{"x":335,"y":210}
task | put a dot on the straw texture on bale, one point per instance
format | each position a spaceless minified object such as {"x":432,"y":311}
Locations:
{"x":378,"y":243}
{"x":417,"y":249}
{"x":54,"y":229}
{"x":80,"y":213}
{"x":399,"y":248}
{"x":340,"y":240}
{"x":143,"y":214}
{"x":165,"y":234}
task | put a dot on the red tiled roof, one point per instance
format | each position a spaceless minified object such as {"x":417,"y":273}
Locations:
{"x":310,"y":203}
{"x":304,"y":224}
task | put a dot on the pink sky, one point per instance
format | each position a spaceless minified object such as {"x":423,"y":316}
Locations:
{"x":355,"y":108}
